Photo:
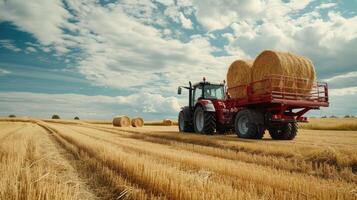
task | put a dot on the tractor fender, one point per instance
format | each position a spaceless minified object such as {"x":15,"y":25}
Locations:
{"x":207,"y":105}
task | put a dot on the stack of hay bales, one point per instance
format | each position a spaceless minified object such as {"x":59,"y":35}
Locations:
{"x":137,"y":122}
{"x":167,"y":122}
{"x":239,"y":75}
{"x":267,"y":64}
{"x":121,"y":121}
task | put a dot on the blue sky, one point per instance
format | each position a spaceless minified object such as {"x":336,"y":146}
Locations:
{"x":96,"y":59}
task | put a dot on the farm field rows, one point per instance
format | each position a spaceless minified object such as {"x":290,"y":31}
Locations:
{"x":77,"y":160}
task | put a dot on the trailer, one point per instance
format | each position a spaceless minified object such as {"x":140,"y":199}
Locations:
{"x":276,"y":103}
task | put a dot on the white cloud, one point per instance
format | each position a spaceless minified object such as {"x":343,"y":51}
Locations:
{"x":342,"y":80}
{"x":150,"y":106}
{"x":42,"y":18}
{"x":343,"y":91}
{"x":4,"y":72}
{"x":330,"y":42}
{"x":8,"y":44}
{"x":125,"y":53}
{"x":166,"y":2}
{"x":31,"y":49}
{"x":186,"y":22}
{"x":220,"y":14}
{"x":326,"y":5}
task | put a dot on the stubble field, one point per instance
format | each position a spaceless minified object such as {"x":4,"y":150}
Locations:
{"x":81,"y":160}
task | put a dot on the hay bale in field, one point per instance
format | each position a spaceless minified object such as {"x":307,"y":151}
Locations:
{"x":286,"y":64}
{"x":137,"y":122}
{"x":167,"y":122}
{"x":239,"y":74}
{"x":121,"y":121}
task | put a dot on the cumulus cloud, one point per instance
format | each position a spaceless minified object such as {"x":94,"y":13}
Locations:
{"x":330,"y":42}
{"x":44,"y":19}
{"x":9,"y":44}
{"x":151,"y":46}
{"x":343,"y":91}
{"x":343,"y":80}
{"x":4,"y":72}
{"x":150,"y":106}
{"x":326,"y":5}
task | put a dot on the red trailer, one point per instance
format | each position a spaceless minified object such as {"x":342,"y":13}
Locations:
{"x":275,"y":104}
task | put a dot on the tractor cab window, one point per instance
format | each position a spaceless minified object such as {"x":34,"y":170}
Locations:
{"x":197,"y":94}
{"x":210,"y":92}
{"x":214,"y":91}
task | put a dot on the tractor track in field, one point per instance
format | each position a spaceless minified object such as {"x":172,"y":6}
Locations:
{"x":103,"y":162}
{"x":83,"y":171}
{"x":167,"y":190}
{"x":163,"y":158}
{"x":317,"y":169}
{"x":87,"y":164}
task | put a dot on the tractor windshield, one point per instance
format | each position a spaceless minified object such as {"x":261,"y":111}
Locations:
{"x":214,"y":92}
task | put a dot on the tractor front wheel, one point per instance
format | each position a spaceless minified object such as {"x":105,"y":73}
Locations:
{"x":204,"y":122}
{"x":184,"y":125}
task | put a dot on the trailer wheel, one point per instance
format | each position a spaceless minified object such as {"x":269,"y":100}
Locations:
{"x":286,"y":131}
{"x":249,"y":124}
{"x":183,"y":123}
{"x":204,"y":122}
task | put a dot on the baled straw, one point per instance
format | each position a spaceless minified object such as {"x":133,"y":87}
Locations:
{"x":137,"y":122}
{"x":285,"y":64}
{"x":167,"y":122}
{"x":238,"y":76}
{"x":121,"y":121}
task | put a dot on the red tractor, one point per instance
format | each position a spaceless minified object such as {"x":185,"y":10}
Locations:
{"x":274,"y":108}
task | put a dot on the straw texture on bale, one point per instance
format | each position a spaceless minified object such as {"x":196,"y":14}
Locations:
{"x":286,"y":64}
{"x":137,"y":122}
{"x":168,"y":122}
{"x":121,"y":121}
{"x":238,"y":76}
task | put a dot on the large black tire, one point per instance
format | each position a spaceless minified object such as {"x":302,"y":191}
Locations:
{"x":183,"y":124}
{"x":249,"y":124}
{"x":204,"y":122}
{"x":284,"y":131}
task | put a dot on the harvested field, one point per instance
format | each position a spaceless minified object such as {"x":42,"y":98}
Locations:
{"x":78,"y":160}
{"x":340,"y":124}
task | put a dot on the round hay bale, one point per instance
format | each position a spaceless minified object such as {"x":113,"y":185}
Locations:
{"x":167,"y":122}
{"x":121,"y":121}
{"x":286,"y":64}
{"x":239,"y":74}
{"x":137,"y":122}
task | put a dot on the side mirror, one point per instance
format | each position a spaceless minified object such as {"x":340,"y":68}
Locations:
{"x":179,"y":90}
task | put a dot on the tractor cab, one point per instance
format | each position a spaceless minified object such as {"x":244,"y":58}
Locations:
{"x":199,"y":115}
{"x":206,"y":90}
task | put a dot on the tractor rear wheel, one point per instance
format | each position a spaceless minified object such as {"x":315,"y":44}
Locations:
{"x":204,"y":122}
{"x":249,"y":124}
{"x":286,"y":131}
{"x":183,"y":123}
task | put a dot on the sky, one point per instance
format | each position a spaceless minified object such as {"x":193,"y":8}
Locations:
{"x":98,"y":58}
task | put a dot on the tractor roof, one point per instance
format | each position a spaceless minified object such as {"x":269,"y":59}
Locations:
{"x":207,"y":83}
